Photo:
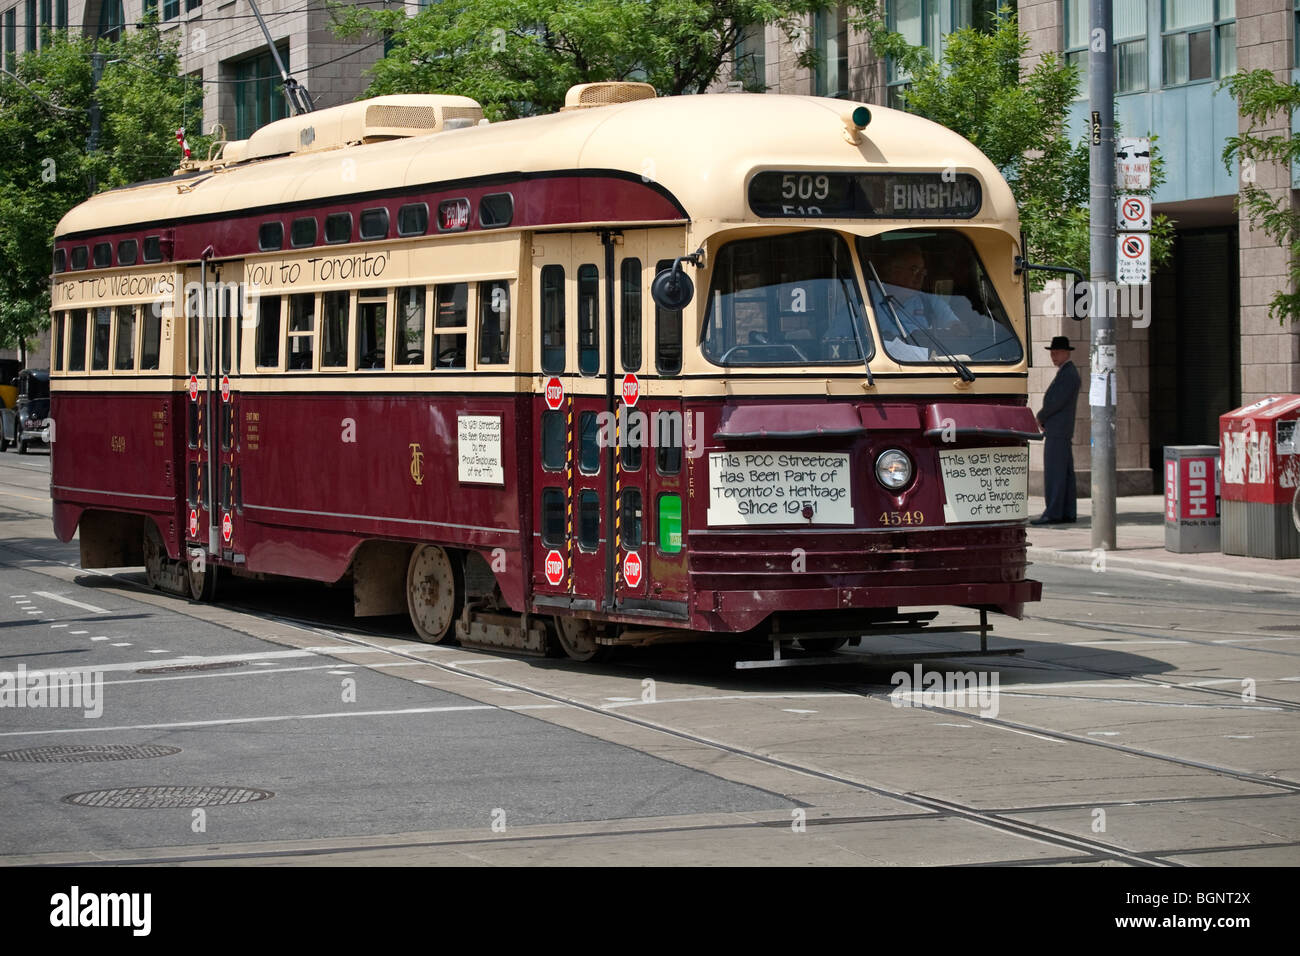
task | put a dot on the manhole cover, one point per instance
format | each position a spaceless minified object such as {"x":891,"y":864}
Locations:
{"x":74,"y":753}
{"x":210,"y":666}
{"x":166,"y":798}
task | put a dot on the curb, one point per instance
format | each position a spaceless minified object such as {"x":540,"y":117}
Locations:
{"x":1085,"y":558}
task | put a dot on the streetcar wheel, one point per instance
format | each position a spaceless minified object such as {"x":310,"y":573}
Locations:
{"x":155,"y":555}
{"x":202,"y":584}
{"x":435,"y":591}
{"x":822,"y":645}
{"x":578,"y":639}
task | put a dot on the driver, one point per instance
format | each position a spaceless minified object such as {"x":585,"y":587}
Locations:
{"x":904,"y":276}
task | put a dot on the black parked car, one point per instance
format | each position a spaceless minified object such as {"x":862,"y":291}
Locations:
{"x":27,"y":422}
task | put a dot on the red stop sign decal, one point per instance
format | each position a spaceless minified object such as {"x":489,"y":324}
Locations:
{"x":554,"y":567}
{"x":554,"y":394}
{"x":226,"y":527}
{"x":194,"y":388}
{"x":632,"y":569}
{"x":194,"y":523}
{"x":225,"y":388}
{"x":631,"y":390}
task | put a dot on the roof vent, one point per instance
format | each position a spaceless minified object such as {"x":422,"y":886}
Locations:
{"x":587,"y":95}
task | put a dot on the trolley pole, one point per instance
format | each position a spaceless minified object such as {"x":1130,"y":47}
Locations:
{"x":1101,"y":233}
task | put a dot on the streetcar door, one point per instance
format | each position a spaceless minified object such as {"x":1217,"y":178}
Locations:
{"x":632,"y":271}
{"x":572,"y":477}
{"x":227,"y":305}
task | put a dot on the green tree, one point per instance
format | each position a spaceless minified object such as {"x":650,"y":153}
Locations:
{"x":1266,"y":102}
{"x":46,"y":167}
{"x":980,"y":89}
{"x":519,"y":57}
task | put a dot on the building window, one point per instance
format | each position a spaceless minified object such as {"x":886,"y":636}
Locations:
{"x":11,"y":38}
{"x":750,"y":65}
{"x":1199,"y":40}
{"x":30,"y":25}
{"x":111,"y":19}
{"x":61,"y":14}
{"x":918,"y":22}
{"x":259,"y":93}
{"x":47,"y":14}
{"x":831,"y":35}
{"x":1129,"y":21}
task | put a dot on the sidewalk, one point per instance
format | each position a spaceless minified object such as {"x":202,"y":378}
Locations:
{"x":1140,"y":546}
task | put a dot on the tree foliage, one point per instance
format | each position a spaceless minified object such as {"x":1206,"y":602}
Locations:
{"x":1266,"y":102}
{"x":1017,"y":118}
{"x":519,"y":57}
{"x":46,"y":167}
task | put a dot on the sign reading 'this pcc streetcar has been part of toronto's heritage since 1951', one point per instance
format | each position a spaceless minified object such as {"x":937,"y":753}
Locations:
{"x":752,"y":487}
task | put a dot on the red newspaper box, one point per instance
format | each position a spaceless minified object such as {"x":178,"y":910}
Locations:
{"x":1257,"y":447}
{"x":1191,"y":498}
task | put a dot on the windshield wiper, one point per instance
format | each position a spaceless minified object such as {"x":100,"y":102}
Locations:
{"x":964,"y":373}
{"x":857,"y":332}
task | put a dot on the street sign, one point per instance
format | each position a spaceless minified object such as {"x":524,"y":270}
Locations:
{"x":194,"y":388}
{"x":1133,"y":167}
{"x":554,"y":567}
{"x":1133,"y":258}
{"x":632,"y":569}
{"x":1133,"y":214}
{"x":225,"y":388}
{"x":631,"y":390}
{"x":554,"y":393}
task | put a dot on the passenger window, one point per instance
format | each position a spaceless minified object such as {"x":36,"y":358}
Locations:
{"x":56,"y":340}
{"x":374,"y":224}
{"x":452,"y":324}
{"x":192,"y":424}
{"x":630,"y":314}
{"x":631,"y":454}
{"x":413,"y":219}
{"x":229,"y":319}
{"x":372,"y":329}
{"x":303,"y":232}
{"x":150,"y":338}
{"x":493,"y":323}
{"x":270,"y":236}
{"x":588,"y":520}
{"x":99,"y":349}
{"x":338,"y":227}
{"x":589,"y":444}
{"x":552,"y":318}
{"x":268,"y":332}
{"x":668,"y":459}
{"x":668,"y":333}
{"x":553,"y":441}
{"x":124,"y":353}
{"x":60,"y":260}
{"x":453,"y":215}
{"x":410,"y":326}
{"x":193,"y":344}
{"x":80,"y":256}
{"x":127,"y":252}
{"x":192,"y":481}
{"x":630,"y":525}
{"x":334,"y":329}
{"x":224,"y":491}
{"x":302,"y":330}
{"x":588,"y":320}
{"x":553,"y":517}
{"x":496,"y":210}
{"x":103,"y":255}
{"x":153,"y":248}
{"x":77,"y":341}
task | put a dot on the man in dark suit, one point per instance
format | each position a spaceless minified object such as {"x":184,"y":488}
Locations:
{"x":1057,"y":421}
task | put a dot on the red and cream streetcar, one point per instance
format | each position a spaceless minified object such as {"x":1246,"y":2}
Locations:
{"x":645,"y":368}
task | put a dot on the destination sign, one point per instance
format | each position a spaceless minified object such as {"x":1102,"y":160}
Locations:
{"x":777,"y":194}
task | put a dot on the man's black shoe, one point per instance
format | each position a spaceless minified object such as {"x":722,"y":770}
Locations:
{"x":1046,"y":520}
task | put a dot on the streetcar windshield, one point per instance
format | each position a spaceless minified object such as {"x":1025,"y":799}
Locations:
{"x":786,"y":300}
{"x":933,"y":300}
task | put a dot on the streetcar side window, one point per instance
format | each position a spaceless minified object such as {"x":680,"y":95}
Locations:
{"x":631,"y":455}
{"x":413,"y":219}
{"x":631,"y":523}
{"x":338,"y":227}
{"x":630,"y":314}
{"x":553,"y":441}
{"x":669,"y":439}
{"x":670,"y":524}
{"x":494,"y":323}
{"x":302,"y":330}
{"x":588,"y":319}
{"x":374,"y":224}
{"x":192,"y":481}
{"x":372,"y":328}
{"x":103,"y":329}
{"x":192,"y":326}
{"x":552,"y":318}
{"x":588,"y":520}
{"x":588,"y":444}
{"x":335,"y":308}
{"x":56,"y":340}
{"x":409,"y":348}
{"x":124,"y":352}
{"x":153,"y":248}
{"x":103,"y":255}
{"x":552,"y":517}
{"x":60,"y":260}
{"x":150,"y":338}
{"x":128,"y":250}
{"x":668,"y":333}
{"x":80,"y":256}
{"x":451,"y":322}
{"x":77,"y":341}
{"x":270,"y":236}
{"x":496,"y":210}
{"x":268,"y":332}
{"x":303,"y":232}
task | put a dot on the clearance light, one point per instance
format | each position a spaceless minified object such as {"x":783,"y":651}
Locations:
{"x":855,"y":123}
{"x":894,"y":470}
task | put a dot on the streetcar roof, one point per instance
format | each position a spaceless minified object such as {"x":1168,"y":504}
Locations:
{"x":685,"y":144}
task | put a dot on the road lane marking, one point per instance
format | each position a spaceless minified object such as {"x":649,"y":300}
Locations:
{"x":707,"y":698}
{"x":63,"y":600}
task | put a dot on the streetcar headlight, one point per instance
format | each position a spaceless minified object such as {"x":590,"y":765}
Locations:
{"x":894,"y":469}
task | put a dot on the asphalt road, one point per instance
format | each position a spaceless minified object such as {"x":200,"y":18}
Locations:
{"x":1148,"y":722}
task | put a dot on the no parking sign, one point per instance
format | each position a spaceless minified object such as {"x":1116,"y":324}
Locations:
{"x":1133,"y":259}
{"x":1133,"y":214}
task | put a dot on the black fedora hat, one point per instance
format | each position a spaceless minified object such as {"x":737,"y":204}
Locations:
{"x":1060,"y":342}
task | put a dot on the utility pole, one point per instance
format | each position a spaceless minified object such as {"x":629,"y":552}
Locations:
{"x":1101,"y":235}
